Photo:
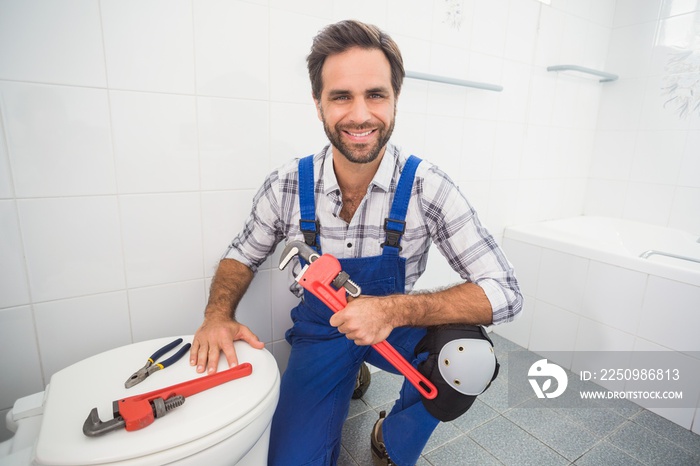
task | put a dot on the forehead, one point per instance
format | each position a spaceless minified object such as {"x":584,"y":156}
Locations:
{"x":356,"y":69}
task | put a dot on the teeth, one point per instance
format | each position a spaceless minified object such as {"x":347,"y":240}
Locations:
{"x":358,"y":135}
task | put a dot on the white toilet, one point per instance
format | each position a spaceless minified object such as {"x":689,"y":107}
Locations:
{"x":224,"y":425}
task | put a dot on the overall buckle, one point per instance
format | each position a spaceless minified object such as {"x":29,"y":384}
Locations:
{"x":311,"y":232}
{"x":394,"y":231}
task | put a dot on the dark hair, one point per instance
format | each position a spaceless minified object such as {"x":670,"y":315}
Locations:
{"x":339,"y":37}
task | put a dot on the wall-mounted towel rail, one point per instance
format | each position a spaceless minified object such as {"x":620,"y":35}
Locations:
{"x":654,"y":252}
{"x":607,"y":77}
{"x":456,"y":82}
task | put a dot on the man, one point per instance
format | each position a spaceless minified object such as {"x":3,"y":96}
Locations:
{"x":363,"y":201}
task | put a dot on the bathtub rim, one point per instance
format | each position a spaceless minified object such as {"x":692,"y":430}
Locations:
{"x":543,"y":235}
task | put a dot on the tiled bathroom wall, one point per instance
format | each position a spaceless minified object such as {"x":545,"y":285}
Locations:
{"x":646,"y":162}
{"x":133,"y":135}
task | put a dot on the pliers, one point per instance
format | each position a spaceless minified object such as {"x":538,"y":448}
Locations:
{"x":151,"y":366}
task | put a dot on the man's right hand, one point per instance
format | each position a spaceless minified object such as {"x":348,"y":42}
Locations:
{"x":217,"y":334}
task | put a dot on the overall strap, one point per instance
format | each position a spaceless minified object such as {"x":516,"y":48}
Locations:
{"x":395,"y":224}
{"x":307,"y":223}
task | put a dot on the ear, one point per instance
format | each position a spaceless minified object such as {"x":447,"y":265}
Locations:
{"x":318,"y":109}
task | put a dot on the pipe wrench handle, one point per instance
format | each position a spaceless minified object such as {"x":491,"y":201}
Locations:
{"x":317,"y":277}
{"x":424,"y":386}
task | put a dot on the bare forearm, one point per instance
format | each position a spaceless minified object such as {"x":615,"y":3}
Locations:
{"x":461,"y":304}
{"x":369,"y":320}
{"x":230,"y":283}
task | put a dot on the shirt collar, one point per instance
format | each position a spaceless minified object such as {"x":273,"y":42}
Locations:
{"x":382,"y":179}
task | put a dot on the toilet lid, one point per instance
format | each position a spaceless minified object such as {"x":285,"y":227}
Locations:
{"x":97,"y":381}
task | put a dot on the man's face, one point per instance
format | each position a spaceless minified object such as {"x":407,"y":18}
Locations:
{"x":357,"y":105}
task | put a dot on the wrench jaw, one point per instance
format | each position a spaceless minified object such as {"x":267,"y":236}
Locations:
{"x":297,"y":248}
{"x":94,"y":426}
{"x":309,"y":254}
{"x":138,"y":414}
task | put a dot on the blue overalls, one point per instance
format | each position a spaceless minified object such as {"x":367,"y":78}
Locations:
{"x":317,"y":385}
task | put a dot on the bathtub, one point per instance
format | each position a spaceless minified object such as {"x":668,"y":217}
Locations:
{"x":590,"y":285}
{"x":651,"y":249}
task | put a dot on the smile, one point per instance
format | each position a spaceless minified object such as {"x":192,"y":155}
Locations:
{"x":359,"y":135}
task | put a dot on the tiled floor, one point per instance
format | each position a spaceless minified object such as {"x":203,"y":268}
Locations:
{"x":493,"y":432}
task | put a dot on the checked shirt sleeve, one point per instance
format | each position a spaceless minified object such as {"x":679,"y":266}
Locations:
{"x":468,"y":246}
{"x":263,"y":229}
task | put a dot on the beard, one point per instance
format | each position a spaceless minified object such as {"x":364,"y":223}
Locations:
{"x":359,"y":152}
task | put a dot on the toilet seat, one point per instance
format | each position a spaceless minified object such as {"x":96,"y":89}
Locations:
{"x":241,"y":408}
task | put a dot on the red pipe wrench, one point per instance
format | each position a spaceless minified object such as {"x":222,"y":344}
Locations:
{"x":139,"y":411}
{"x":325,"y":279}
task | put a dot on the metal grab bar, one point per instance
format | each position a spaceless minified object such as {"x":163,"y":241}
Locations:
{"x":457,"y":82}
{"x":607,"y":77}
{"x":654,"y":252}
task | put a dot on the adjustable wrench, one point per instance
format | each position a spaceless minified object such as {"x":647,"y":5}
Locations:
{"x":139,"y":411}
{"x":324,"y":278}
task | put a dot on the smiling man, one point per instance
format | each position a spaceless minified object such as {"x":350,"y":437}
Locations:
{"x":378,"y":211}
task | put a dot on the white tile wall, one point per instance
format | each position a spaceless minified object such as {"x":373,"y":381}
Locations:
{"x":69,"y":330}
{"x":164,"y":310}
{"x":553,"y":328}
{"x":45,"y":43}
{"x":134,"y":135}
{"x":649,"y":155}
{"x":690,"y":166}
{"x":155,"y":142}
{"x":22,"y":372}
{"x":613,"y":296}
{"x":670,"y":301}
{"x":13,"y":275}
{"x":50,"y":130}
{"x":72,"y":246}
{"x":224,"y":68}
{"x":563,"y":290}
{"x":234,"y":143}
{"x":223,"y":215}
{"x":149,"y":46}
{"x":162,"y":238}
{"x":6,"y":187}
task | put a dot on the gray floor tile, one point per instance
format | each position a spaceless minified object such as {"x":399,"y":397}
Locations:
{"x":444,"y":433}
{"x":598,"y":421}
{"x":554,"y":430}
{"x":358,"y":407}
{"x":649,"y":447}
{"x":502,"y":427}
{"x":681,"y":436}
{"x":462,"y":451}
{"x":513,"y":446}
{"x":604,"y":453}
{"x":624,"y":408}
{"x":478,"y":414}
{"x":503,"y":345}
{"x":356,"y":437}
{"x":383,"y":389}
{"x":496,"y":396}
{"x":345,"y":459}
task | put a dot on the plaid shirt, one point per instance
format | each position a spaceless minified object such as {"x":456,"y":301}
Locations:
{"x":438,"y":212}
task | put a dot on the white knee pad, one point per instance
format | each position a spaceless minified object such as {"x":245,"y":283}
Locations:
{"x":467,"y":365}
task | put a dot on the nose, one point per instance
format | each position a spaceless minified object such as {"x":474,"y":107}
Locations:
{"x":359,"y":112}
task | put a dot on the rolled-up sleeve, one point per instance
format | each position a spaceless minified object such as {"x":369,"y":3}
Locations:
{"x":469,"y":248}
{"x":262,"y":230}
